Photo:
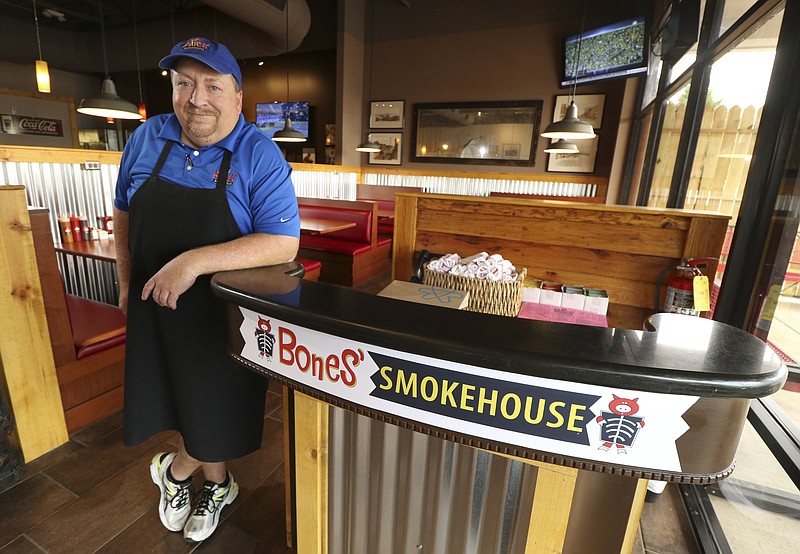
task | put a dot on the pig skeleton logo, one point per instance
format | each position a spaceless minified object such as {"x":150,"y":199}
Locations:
{"x":619,"y":427}
{"x":265,"y":339}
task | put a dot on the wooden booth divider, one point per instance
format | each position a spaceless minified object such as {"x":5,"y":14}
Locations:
{"x":26,"y":359}
{"x":620,"y":249}
{"x":87,"y":338}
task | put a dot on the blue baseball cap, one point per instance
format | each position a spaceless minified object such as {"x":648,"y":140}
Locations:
{"x":213,"y":54}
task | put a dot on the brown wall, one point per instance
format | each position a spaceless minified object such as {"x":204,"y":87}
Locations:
{"x":506,"y":63}
{"x":312,"y":77}
{"x":512,"y":63}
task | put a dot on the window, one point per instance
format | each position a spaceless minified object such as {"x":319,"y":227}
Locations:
{"x":668,"y":149}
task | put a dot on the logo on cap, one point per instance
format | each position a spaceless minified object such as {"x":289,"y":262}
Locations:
{"x":195,"y":44}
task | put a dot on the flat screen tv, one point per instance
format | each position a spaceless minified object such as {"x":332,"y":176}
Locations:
{"x":270,"y":117}
{"x":615,"y":50}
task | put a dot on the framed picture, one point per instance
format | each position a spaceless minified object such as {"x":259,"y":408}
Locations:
{"x":330,"y":155}
{"x":482,"y":133}
{"x":330,"y":134}
{"x":582,"y":162}
{"x":309,"y":156}
{"x":590,"y":108}
{"x":386,"y":114}
{"x":511,"y":151}
{"x":391,"y":148}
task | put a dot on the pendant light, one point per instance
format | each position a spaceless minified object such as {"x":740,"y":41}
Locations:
{"x":288,"y":133}
{"x":142,"y":108}
{"x":42,"y":72}
{"x":108,"y":103}
{"x":562,"y":146}
{"x":570,"y":127}
{"x":369,"y":146}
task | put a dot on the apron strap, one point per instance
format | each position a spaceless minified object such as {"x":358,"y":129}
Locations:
{"x":161,"y":159}
{"x":222,"y":175}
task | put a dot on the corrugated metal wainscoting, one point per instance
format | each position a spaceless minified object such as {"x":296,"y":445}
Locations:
{"x":64,"y":189}
{"x":395,"y":491}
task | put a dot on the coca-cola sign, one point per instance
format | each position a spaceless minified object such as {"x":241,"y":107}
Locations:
{"x":29,"y":125}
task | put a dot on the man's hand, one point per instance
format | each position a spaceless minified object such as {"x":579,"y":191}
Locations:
{"x":170,"y":282}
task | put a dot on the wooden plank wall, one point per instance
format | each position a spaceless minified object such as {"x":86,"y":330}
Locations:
{"x":617,"y":248}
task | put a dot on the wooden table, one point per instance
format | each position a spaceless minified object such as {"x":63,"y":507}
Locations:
{"x":103,"y":250}
{"x":88,"y":269}
{"x":321,"y":226}
{"x":385,"y":214}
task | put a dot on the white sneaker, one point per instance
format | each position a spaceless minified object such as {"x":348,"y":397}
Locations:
{"x":174,"y":506}
{"x":205,"y":518}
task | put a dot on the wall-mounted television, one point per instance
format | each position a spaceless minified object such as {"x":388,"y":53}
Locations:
{"x":271,"y":117}
{"x":607,"y":52}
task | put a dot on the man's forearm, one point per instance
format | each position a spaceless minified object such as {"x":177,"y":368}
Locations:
{"x":121,"y":246}
{"x":254,"y":250}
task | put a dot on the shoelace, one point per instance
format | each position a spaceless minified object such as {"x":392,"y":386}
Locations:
{"x":207,"y":502}
{"x":181,"y":497}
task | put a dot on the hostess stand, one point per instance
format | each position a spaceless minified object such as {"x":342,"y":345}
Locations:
{"x":409,"y":421}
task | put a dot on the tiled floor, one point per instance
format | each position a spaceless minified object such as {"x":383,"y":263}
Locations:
{"x":95,"y":495}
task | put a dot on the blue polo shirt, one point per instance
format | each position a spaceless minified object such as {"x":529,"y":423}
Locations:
{"x":260,"y":191}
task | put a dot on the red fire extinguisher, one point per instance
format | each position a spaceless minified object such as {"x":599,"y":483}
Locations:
{"x":680,"y":290}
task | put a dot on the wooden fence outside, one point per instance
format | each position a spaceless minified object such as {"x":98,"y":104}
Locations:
{"x":722,"y":157}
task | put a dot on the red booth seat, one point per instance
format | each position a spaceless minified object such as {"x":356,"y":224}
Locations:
{"x":311,"y":268}
{"x":362,"y":232}
{"x":335,"y":246}
{"x":95,"y":326}
{"x":349,"y":256}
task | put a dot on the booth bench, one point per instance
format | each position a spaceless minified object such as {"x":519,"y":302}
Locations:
{"x":383,"y":196}
{"x":348,"y":256}
{"x":87,"y":339}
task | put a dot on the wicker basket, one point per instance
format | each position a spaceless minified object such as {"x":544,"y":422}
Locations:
{"x":489,"y":297}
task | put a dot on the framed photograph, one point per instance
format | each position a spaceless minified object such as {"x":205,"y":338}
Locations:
{"x":330,"y":155}
{"x":391,"y":148}
{"x":511,"y":151}
{"x":590,"y":108}
{"x":582,"y":162}
{"x":330,"y":134}
{"x":386,"y":114}
{"x":481,"y":133}
{"x":309,"y":156}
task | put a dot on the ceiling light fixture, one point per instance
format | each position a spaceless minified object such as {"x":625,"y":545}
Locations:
{"x":142,"y":108}
{"x":288,"y":133}
{"x":570,"y":127}
{"x":48,"y":12}
{"x":368,"y":146}
{"x":562,"y":146}
{"x":108,"y":103}
{"x":42,"y":72}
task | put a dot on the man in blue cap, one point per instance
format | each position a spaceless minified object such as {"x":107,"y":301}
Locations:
{"x":199,"y":191}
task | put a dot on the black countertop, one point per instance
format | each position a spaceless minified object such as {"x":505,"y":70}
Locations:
{"x":681,"y":355}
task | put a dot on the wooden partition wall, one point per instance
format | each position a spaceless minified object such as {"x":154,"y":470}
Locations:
{"x":617,"y":248}
{"x":27,"y":369}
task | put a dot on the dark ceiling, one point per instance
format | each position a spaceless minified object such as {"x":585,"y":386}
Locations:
{"x":70,"y":30}
{"x":84,"y":15}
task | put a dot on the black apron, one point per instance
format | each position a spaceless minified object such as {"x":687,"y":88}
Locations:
{"x":177,"y":371}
